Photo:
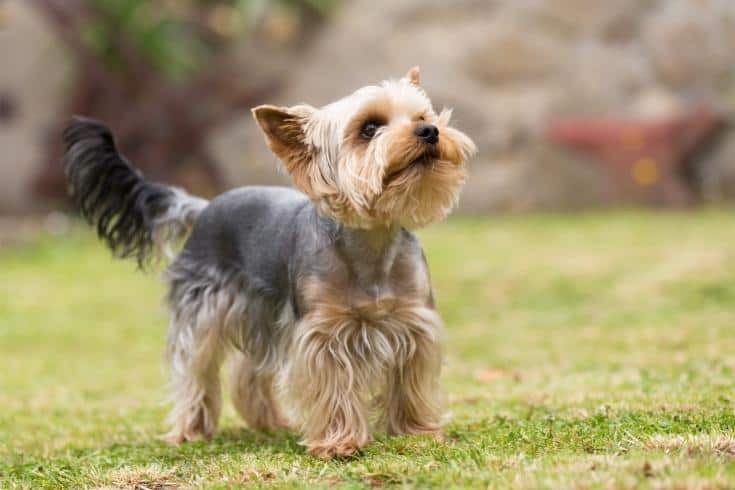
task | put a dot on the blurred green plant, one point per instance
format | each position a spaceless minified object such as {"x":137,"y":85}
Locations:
{"x":178,"y":36}
{"x":162,"y":74}
{"x":160,"y":39}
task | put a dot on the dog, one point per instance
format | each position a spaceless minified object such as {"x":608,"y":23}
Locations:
{"x":320,"y":297}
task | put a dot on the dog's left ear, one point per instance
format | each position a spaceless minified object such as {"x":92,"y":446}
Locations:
{"x":414,"y":76}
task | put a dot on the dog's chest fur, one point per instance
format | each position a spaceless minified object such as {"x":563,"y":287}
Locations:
{"x":372,"y":307}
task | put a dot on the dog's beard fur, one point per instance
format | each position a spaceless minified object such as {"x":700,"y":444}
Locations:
{"x":421,"y":185}
{"x":392,"y":178}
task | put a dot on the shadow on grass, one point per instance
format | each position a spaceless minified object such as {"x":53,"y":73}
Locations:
{"x":74,"y":463}
{"x":234,"y":440}
{"x":244,"y":438}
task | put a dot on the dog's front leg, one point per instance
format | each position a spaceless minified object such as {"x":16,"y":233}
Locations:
{"x":326,"y":386}
{"x":413,"y":397}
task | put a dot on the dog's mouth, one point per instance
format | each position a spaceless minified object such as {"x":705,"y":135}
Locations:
{"x":424,"y":160}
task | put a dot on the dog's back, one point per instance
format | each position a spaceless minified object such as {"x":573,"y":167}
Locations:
{"x":250,"y":233}
{"x":245,"y":233}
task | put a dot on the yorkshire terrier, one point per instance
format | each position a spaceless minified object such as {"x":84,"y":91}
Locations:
{"x":320,"y":296}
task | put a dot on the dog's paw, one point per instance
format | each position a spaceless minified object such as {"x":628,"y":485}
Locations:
{"x":344,"y":449}
{"x":177,"y":437}
{"x":281,"y":423}
{"x":173,"y":438}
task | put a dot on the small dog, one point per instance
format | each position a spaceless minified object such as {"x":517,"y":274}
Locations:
{"x":320,"y":298}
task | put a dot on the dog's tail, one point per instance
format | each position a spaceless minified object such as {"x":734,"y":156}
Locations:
{"x":135,"y":217}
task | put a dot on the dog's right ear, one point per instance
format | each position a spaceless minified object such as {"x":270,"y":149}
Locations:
{"x":285,"y":134}
{"x":283,"y":128}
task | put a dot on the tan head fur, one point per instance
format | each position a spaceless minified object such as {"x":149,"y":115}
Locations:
{"x":363,"y":159}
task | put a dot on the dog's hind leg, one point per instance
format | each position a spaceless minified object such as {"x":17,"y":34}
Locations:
{"x":195,"y":353}
{"x":253,"y":394}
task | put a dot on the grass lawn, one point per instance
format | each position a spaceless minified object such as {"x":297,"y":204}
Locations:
{"x":592,"y":350}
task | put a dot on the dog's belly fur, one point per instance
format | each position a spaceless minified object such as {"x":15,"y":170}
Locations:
{"x":263,"y":272}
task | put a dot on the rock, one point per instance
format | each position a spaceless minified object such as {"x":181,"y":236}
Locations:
{"x":599,"y":78}
{"x":540,"y":179}
{"x":691,"y":43}
{"x":656,"y":102}
{"x":579,"y":19}
{"x":34,"y":77}
{"x":510,"y":55}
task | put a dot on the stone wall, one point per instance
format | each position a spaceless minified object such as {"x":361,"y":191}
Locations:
{"x":507,"y":67}
{"x":33,"y":78}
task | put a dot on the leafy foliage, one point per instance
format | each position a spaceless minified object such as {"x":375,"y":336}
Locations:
{"x":161,"y":73}
{"x":177,"y":36}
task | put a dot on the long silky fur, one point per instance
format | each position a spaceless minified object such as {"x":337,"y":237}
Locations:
{"x":128,"y":212}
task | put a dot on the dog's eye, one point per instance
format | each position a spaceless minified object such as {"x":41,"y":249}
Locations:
{"x":369,"y":129}
{"x":422,"y":118}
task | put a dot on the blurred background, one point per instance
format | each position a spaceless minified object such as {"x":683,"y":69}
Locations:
{"x":583,"y":347}
{"x":573,"y":103}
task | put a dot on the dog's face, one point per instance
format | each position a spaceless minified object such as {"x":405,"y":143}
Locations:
{"x":378,"y":157}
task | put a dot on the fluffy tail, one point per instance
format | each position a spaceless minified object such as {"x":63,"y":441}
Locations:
{"x":135,"y":217}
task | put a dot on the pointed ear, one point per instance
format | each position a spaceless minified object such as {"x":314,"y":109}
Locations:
{"x":414,"y":76}
{"x":283,"y":128}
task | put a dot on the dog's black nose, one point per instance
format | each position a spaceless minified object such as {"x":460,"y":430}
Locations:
{"x":428,"y":133}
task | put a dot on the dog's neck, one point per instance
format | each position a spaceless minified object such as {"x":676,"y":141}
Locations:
{"x":369,"y":253}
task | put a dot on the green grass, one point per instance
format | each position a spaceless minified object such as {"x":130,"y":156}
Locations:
{"x":592,"y":350}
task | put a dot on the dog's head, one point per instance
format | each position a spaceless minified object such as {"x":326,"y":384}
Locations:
{"x":377,"y":157}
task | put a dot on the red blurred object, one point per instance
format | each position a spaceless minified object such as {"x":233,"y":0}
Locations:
{"x":647,"y":160}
